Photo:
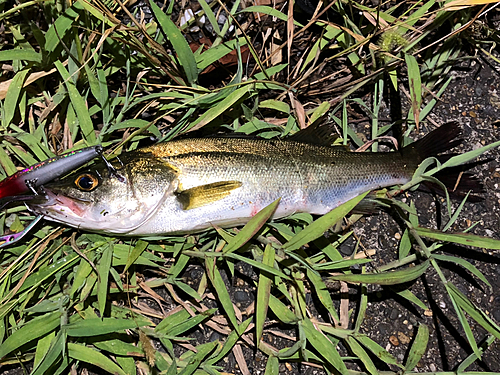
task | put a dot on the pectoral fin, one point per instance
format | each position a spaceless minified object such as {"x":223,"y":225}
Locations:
{"x":205,"y":194}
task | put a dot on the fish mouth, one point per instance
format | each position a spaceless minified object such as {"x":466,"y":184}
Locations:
{"x":50,"y":202}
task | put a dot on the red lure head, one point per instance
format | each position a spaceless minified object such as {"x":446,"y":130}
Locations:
{"x":45,"y":171}
{"x":13,"y":185}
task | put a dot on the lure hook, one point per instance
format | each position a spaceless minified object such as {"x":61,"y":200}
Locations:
{"x":9,"y":239}
{"x":111,"y":170}
{"x":33,"y":177}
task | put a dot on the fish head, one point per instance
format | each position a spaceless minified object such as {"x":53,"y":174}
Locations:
{"x":102,"y":200}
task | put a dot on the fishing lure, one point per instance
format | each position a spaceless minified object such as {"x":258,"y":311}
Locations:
{"x":35,"y":176}
{"x":45,"y":171}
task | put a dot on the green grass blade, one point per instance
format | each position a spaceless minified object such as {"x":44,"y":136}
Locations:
{"x":215,"y":53}
{"x":460,"y":238}
{"x":408,"y":295}
{"x":190,"y":323}
{"x":82,"y":272}
{"x":359,"y":352}
{"x":473,"y":358}
{"x":456,"y":213}
{"x":455,"y":300}
{"x":13,"y":97}
{"x":45,"y":273}
{"x":321,"y":225}
{"x":468,"y":156}
{"x":61,"y":26}
{"x":195,"y":361}
{"x":415,"y":86}
{"x":102,"y":284}
{"x":57,"y":347}
{"x":324,"y":346}
{"x":377,"y":350}
{"x":221,"y":290}
{"x":323,"y":293}
{"x":119,"y":347}
{"x":283,"y":313}
{"x":418,"y":347}
{"x":209,"y":13}
{"x":263,"y":293}
{"x":79,"y":105}
{"x":475,"y":313}
{"x":89,"y":355}
{"x":404,"y":245}
{"x":272,"y":366}
{"x":270,"y":12}
{"x":97,"y":326}
{"x":465,"y":264}
{"x":42,"y":348}
{"x":251,"y":228}
{"x":385,"y":278}
{"x":167,"y":324}
{"x":181,"y":47}
{"x":363,"y":305}
{"x":127,"y":364}
{"x":135,"y":253}
{"x":7,"y":164}
{"x":230,"y":341}
{"x":259,"y":265}
{"x":32,"y":330}
{"x":220,"y":108}
{"x":20,"y":54}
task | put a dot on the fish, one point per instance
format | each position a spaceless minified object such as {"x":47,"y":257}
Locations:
{"x":190,"y":185}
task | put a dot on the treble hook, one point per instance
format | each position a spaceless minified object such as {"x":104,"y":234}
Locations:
{"x":111,"y":170}
{"x":13,"y":238}
{"x":33,"y":177}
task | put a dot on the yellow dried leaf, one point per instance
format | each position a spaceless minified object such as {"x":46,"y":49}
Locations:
{"x":462,"y":4}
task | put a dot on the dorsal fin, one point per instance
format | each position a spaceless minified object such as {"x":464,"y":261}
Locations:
{"x":316,"y":134}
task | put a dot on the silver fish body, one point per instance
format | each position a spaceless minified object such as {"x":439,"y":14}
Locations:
{"x":189,"y":185}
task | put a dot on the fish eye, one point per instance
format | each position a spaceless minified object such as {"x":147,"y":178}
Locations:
{"x":86,"y":182}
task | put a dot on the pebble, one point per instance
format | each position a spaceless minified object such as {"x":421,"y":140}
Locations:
{"x":241,"y":296}
{"x":403,"y":339}
{"x":394,"y":314}
{"x":196,"y":274}
{"x":394,"y":340}
{"x":215,"y":336}
{"x":428,"y":313}
{"x":496,"y":311}
{"x":384,"y":328}
{"x":383,"y":242}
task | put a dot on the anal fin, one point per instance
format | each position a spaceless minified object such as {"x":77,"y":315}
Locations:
{"x":205,"y":194}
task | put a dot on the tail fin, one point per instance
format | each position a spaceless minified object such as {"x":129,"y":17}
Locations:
{"x":440,"y":140}
{"x":444,"y":138}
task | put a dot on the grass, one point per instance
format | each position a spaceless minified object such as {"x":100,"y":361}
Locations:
{"x":90,"y":72}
